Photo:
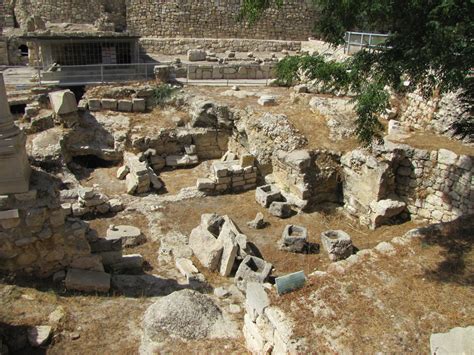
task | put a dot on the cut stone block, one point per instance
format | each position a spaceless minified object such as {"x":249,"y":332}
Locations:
{"x":337,"y":243}
{"x":102,"y":244}
{"x":131,"y":236}
{"x":205,"y":184}
{"x":256,"y":298}
{"x":63,"y":102}
{"x":94,"y":105}
{"x":229,"y":252}
{"x":267,"y":194}
{"x":247,"y":160}
{"x":125,"y":105}
{"x":280,"y":209}
{"x":267,"y":100}
{"x":131,"y":262}
{"x":196,"y":55}
{"x":111,"y":257}
{"x":87,"y":281}
{"x":253,"y":269}
{"x":384,"y":210}
{"x":294,"y":239}
{"x":88,"y":262}
{"x":139,"y":105}
{"x":109,"y":104}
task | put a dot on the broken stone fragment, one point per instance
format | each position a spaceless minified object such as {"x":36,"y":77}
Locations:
{"x":206,"y":247}
{"x":122,"y":172}
{"x":280,"y":209}
{"x":258,"y":222}
{"x":267,"y":100}
{"x":294,"y":239}
{"x":39,"y":335}
{"x":253,"y":269}
{"x":267,"y":194}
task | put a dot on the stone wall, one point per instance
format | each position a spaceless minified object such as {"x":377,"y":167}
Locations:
{"x":217,"y":19}
{"x":436,"y":186}
{"x":70,"y":11}
{"x":312,"y":176}
{"x":232,"y":71}
{"x":35,"y":237}
{"x":176,"y":46}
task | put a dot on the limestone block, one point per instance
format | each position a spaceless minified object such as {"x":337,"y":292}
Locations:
{"x":280,"y":209}
{"x":63,"y":102}
{"x":125,"y":105}
{"x":247,"y":160}
{"x":267,"y":100}
{"x":138,"y":105}
{"x":456,"y":341}
{"x":205,"y":184}
{"x":87,"y":281}
{"x":294,"y":239}
{"x":196,"y":55}
{"x":131,"y":236}
{"x":253,"y":269}
{"x":94,"y":104}
{"x":206,"y":247}
{"x":265,"y":195}
{"x":337,"y":243}
{"x":446,"y":157}
{"x":130,"y":263}
{"x":103,"y":245}
{"x":109,"y":104}
{"x":88,"y":262}
{"x":186,"y":268}
{"x":229,"y":251}
{"x":256,"y":298}
{"x":384,"y":210}
{"x":122,"y":172}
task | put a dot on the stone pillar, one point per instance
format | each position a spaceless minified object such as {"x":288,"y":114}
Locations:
{"x":14,"y":166}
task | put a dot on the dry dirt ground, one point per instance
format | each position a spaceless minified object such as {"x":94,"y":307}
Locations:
{"x":389,"y":304}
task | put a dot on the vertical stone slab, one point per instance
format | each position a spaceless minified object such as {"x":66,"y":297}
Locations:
{"x":14,"y":166}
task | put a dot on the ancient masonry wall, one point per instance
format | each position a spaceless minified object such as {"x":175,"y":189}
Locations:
{"x":309,"y":175}
{"x":218,"y":19}
{"x":72,"y":11}
{"x":232,"y":71}
{"x":35,"y":237}
{"x":3,"y":42}
{"x":176,"y":46}
{"x":437,"y":186}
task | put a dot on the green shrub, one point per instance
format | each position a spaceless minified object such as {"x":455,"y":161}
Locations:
{"x":162,"y":93}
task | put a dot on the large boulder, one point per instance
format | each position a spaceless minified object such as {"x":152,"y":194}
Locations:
{"x":187,"y":315}
{"x":196,"y":55}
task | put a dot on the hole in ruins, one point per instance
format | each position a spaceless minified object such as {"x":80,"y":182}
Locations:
{"x":23,"y":50}
{"x":18,"y":109}
{"x":92,"y":162}
{"x":78,"y":90}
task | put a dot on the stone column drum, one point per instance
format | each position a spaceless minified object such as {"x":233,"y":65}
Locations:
{"x":14,"y":166}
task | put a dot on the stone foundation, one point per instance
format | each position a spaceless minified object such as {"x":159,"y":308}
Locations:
{"x":232,"y":71}
{"x":179,"y":46}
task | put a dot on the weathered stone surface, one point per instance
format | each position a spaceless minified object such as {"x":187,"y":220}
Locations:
{"x":230,"y":247}
{"x":139,"y":105}
{"x":124,"y":105}
{"x":290,"y":282}
{"x":109,"y":104}
{"x":258,"y":222}
{"x":206,"y":247}
{"x":87,"y":281}
{"x":88,"y":262}
{"x":196,"y":55}
{"x":337,"y":243}
{"x":456,"y":341}
{"x":267,"y":194}
{"x":294,"y":239}
{"x":122,"y":172}
{"x":130,"y":262}
{"x":252,"y":269}
{"x":280,"y":209}
{"x":205,"y":184}
{"x":267,"y":100}
{"x":63,"y":102}
{"x":186,"y":268}
{"x":39,"y":335}
{"x":384,"y":210}
{"x":131,"y":236}
{"x":256,"y":298}
{"x":184,"y":314}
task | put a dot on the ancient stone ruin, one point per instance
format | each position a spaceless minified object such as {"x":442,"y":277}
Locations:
{"x":156,"y":182}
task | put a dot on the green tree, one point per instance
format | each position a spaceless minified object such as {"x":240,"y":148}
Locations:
{"x":430,"y":46}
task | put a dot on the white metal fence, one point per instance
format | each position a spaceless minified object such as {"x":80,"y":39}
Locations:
{"x":356,"y":41}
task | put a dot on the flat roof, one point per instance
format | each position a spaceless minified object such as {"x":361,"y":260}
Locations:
{"x":51,"y":36}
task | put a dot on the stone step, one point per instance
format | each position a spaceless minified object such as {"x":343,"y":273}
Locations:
{"x":87,"y":281}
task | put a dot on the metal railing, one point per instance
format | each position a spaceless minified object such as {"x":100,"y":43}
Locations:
{"x":356,"y":41}
{"x":96,"y":73}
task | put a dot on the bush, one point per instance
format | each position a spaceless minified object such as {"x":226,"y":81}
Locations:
{"x":162,"y":93}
